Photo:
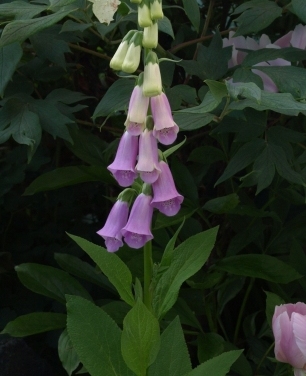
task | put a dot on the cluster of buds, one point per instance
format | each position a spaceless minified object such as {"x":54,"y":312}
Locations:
{"x":149,"y":122}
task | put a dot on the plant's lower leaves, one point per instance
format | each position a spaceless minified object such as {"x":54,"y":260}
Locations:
{"x":96,"y":338}
{"x":34,"y":323}
{"x":173,"y":357}
{"x":67,"y":353}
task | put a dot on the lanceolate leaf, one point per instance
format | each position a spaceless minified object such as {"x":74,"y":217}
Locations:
{"x":9,"y":59}
{"x":173,"y":358}
{"x":18,"y":31}
{"x":96,"y":338}
{"x":49,"y":281}
{"x":193,"y":12}
{"x":187,"y":259}
{"x":21,"y":10}
{"x":116,"y":98}
{"x":65,"y":176}
{"x":259,"y":266}
{"x":112,"y":266}
{"x":67,"y":353}
{"x":218,"y":366}
{"x":33,"y":323}
{"x":140,"y":339}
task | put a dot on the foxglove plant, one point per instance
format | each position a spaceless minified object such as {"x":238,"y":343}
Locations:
{"x":132,"y":57}
{"x":165,"y":129}
{"x":165,"y":196}
{"x":137,"y":231}
{"x":138,"y":109}
{"x":123,"y":167}
{"x":152,"y":83}
{"x":116,"y":220}
{"x":119,"y":56}
{"x":147,"y":165}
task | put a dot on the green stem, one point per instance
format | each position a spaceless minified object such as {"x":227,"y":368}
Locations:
{"x":148,"y":272}
{"x":242,"y":308}
{"x":263,"y":358}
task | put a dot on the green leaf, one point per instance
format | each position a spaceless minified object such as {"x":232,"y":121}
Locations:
{"x":206,"y":155}
{"x":189,"y":121}
{"x":207,"y":57}
{"x":49,"y":281}
{"x":140,"y":340}
{"x":259,"y":266}
{"x":257,"y":15}
{"x":244,"y":156}
{"x":66,"y":176}
{"x":209,"y":346}
{"x":18,"y":31}
{"x":168,"y":252}
{"x":299,"y":8}
{"x":67,"y":353}
{"x":9,"y":59}
{"x":174,"y":148}
{"x":266,"y":54}
{"x":74,"y":26}
{"x":246,"y":90}
{"x":165,"y":26}
{"x":33,"y":323}
{"x":60,"y":3}
{"x":264,"y":169}
{"x":20,"y":10}
{"x":116,"y":98}
{"x":112,"y":266}
{"x":193,"y":12}
{"x":49,"y":44}
{"x":82,"y":269}
{"x":272,"y":301}
{"x":288,"y":79}
{"x":221,"y":205}
{"x":173,"y":358}
{"x":218,"y":366}
{"x":209,"y":103}
{"x":217,"y":89}
{"x":188,"y":258}
{"x":246,"y":75}
{"x":87,"y":146}
{"x":95,"y":338}
{"x":283,"y":103}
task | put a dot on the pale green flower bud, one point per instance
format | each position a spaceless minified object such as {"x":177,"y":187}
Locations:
{"x":152,"y":83}
{"x":144,"y":17}
{"x":132,"y":57}
{"x":136,"y":1}
{"x":119,"y":56}
{"x":150,"y":36}
{"x":156,"y":9}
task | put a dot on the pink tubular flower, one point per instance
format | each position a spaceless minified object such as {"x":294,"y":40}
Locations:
{"x":147,"y":165}
{"x":123,"y":167}
{"x":289,"y":329}
{"x":137,"y":113}
{"x":166,"y":198}
{"x":111,"y":231}
{"x":137,"y":231}
{"x":165,"y":129}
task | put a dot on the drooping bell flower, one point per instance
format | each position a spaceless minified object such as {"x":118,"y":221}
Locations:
{"x":147,"y":165}
{"x":138,"y":108}
{"x":123,"y":167}
{"x":165,"y":196}
{"x":150,"y":36}
{"x":289,"y":329}
{"x":116,"y":220}
{"x":119,"y":56}
{"x":132,"y":57}
{"x":165,"y":129}
{"x":137,"y":231}
{"x":156,"y":9}
{"x":144,"y":17}
{"x":152,"y":83}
